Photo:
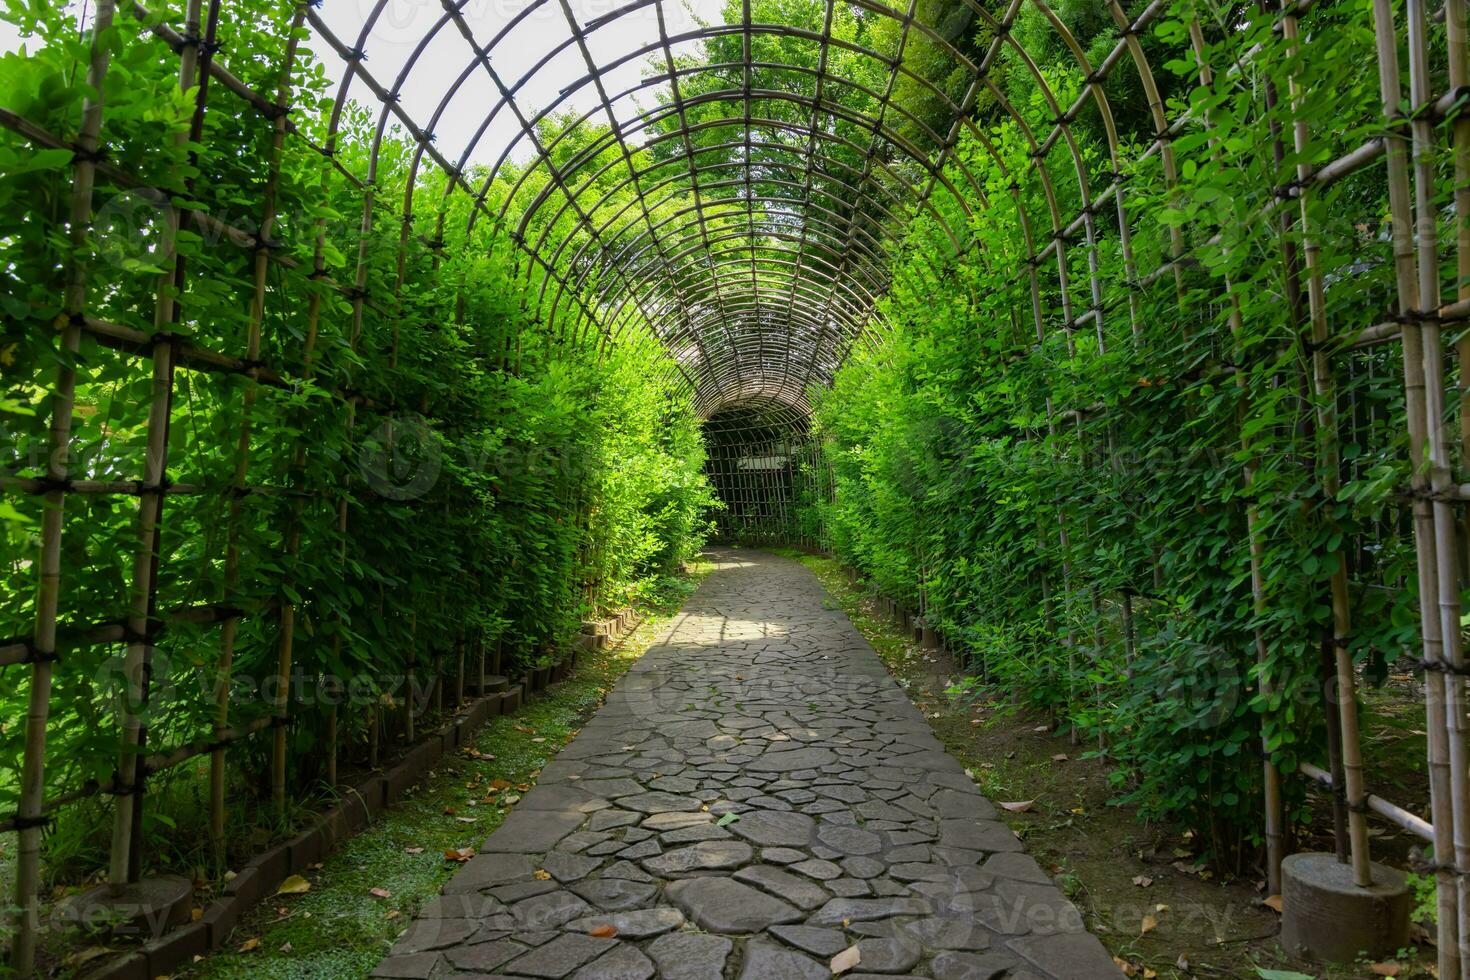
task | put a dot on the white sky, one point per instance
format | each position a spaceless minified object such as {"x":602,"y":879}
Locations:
{"x":404,"y":23}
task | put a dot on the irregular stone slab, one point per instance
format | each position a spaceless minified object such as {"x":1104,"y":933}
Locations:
{"x":532,"y":831}
{"x":659,"y":803}
{"x":707,"y":855}
{"x":690,"y":956}
{"x":615,"y":894}
{"x":888,"y":955}
{"x":623,"y":963}
{"x":850,"y":840}
{"x":795,"y":889}
{"x":566,"y":867}
{"x":660,"y":822}
{"x":1075,"y":954}
{"x":639,"y":924}
{"x":792,"y":760}
{"x":820,"y":870}
{"x":487,"y":870}
{"x":864,"y":909}
{"x":978,"y":835}
{"x":560,"y":956}
{"x":485,"y":957}
{"x":610,"y":789}
{"x":767,"y":961}
{"x":771,"y":828}
{"x":612,"y":819}
{"x":782,"y":855}
{"x":548,"y":911}
{"x":414,"y":966}
{"x":818,"y":942}
{"x":728,"y":906}
{"x":969,"y":966}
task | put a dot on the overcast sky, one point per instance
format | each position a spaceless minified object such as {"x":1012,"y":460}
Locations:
{"x":404,"y":23}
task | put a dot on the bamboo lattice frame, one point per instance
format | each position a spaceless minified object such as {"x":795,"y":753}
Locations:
{"x":760,"y":297}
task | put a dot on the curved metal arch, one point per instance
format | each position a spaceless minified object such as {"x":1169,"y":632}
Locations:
{"x":870,"y":249}
{"x":591,"y":151}
{"x":820,"y":214}
{"x":620,"y":249}
{"x":925,"y":203}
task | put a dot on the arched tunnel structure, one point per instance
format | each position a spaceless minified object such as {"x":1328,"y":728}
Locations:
{"x":1123,"y":342}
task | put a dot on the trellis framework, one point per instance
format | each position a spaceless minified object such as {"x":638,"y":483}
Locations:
{"x":748,"y":222}
{"x":767,"y":472}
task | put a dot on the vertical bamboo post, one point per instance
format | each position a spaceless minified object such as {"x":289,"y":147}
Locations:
{"x":1447,"y":553}
{"x":1458,"y":43}
{"x":280,"y":708}
{"x":260,"y":270}
{"x":126,"y":850}
{"x":58,"y":467}
{"x":1442,"y":803}
{"x":1346,"y":753}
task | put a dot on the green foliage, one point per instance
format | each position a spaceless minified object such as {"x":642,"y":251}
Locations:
{"x":438,"y":475}
{"x":1070,"y":497}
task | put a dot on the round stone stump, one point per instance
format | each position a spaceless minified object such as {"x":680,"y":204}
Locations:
{"x":1325,"y":917}
{"x":144,"y":909}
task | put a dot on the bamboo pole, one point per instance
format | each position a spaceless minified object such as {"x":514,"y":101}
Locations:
{"x":1447,"y":552}
{"x":1345,"y":750}
{"x":1437,"y":690}
{"x":33,"y":766}
{"x":127,"y":827}
{"x":280,"y":708}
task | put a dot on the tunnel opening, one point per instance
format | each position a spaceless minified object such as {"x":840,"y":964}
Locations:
{"x":767,"y":472}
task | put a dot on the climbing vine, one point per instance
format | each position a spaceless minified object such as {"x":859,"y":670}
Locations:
{"x":378,"y":437}
{"x":1075,"y":509}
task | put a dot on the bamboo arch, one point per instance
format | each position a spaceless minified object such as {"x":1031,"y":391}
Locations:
{"x":666,"y":221}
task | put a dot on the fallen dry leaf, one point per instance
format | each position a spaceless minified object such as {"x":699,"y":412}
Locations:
{"x":294,"y":885}
{"x":248,"y":945}
{"x":87,"y":955}
{"x":1387,"y":968}
{"x":1143,"y":881}
{"x":460,"y":854}
{"x":1148,"y":926}
{"x":541,"y":874}
{"x":846,"y":960}
{"x":1273,"y":903}
{"x":413,"y":850}
{"x":380,"y":893}
{"x":286,"y":947}
{"x":1060,"y":757}
{"x":603,"y":932}
{"x":1021,"y":806}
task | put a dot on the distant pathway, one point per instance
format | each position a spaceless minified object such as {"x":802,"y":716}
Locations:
{"x":851,"y":825}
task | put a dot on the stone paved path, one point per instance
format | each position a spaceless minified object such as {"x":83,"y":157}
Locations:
{"x":851,"y":825}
